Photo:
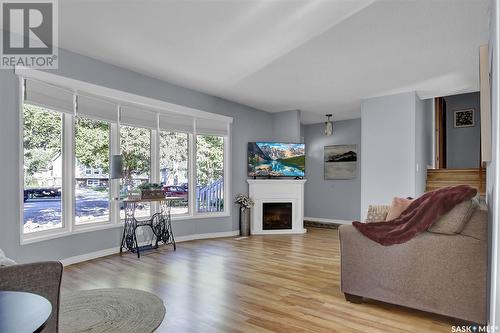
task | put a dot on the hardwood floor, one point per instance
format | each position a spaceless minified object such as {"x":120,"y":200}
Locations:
{"x":283,"y":283}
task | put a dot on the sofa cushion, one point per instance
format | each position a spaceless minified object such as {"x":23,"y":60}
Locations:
{"x":377,"y":213}
{"x":454,"y":221}
{"x":397,"y":207}
{"x":477,"y":227}
{"x":4,"y":261}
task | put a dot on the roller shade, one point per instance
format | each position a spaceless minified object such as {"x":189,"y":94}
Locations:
{"x":48,"y":96}
{"x":176,"y":123}
{"x":134,"y":116}
{"x":135,"y":110}
{"x":93,"y":107}
{"x":211,"y":127}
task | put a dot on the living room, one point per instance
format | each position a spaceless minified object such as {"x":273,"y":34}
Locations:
{"x":188,"y":166}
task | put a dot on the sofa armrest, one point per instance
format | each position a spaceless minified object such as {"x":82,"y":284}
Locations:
{"x":42,"y":278}
{"x":445,"y":274}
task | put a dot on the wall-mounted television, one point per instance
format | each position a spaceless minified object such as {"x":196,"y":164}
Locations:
{"x":276,"y":159}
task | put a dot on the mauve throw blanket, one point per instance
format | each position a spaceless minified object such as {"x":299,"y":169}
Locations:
{"x":419,"y":215}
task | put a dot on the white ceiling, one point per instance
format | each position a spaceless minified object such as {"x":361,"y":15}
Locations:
{"x":319,"y":56}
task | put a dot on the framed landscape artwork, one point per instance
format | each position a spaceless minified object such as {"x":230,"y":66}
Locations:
{"x":340,"y":162}
{"x":464,"y":118}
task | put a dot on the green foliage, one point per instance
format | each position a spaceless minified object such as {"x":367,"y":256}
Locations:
{"x":42,"y":139}
{"x":174,"y":152}
{"x":298,"y":161}
{"x":92,"y":143}
{"x":149,"y":186}
{"x":173,"y":149}
{"x":135,"y":144}
{"x":209,"y":158}
{"x":43,"y":143}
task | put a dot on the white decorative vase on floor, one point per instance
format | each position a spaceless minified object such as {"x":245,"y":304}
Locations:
{"x":244,"y":222}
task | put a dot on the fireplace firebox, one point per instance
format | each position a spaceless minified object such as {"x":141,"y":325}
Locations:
{"x":276,"y":215}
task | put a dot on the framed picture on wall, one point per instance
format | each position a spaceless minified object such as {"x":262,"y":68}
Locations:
{"x":340,"y":162}
{"x":464,"y":118}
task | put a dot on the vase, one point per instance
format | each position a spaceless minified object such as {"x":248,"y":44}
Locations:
{"x":244,"y":222}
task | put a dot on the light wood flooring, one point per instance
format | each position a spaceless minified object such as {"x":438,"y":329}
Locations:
{"x":282,"y":283}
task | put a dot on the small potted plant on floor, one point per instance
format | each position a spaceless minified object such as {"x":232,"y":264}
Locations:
{"x":151,"y":191}
{"x":245,"y":203}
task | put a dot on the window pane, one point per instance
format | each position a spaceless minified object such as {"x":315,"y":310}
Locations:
{"x":91,"y":154}
{"x":135,"y":144}
{"x":174,"y":168}
{"x":42,"y":168}
{"x":209,"y":173}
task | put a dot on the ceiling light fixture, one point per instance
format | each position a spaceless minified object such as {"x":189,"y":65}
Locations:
{"x":328,"y":125}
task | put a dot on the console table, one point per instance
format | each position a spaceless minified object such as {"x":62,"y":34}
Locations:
{"x":160,"y":223}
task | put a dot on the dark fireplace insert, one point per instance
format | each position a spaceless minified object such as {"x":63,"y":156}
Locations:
{"x":276,"y":215}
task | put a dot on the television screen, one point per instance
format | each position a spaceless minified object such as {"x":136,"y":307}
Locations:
{"x":276,"y":159}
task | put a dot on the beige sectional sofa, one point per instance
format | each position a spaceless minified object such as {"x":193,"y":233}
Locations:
{"x":439,"y":273}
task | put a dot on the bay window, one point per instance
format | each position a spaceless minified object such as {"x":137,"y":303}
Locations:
{"x":91,"y":180}
{"x":209,"y":173}
{"x":42,"y":169}
{"x":69,"y":136}
{"x":135,"y":145}
{"x":174,"y":175}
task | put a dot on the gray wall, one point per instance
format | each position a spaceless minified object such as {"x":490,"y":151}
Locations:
{"x":331,"y":199}
{"x":249,"y":125}
{"x":286,"y":126}
{"x":462,"y":144}
{"x":388,"y":138}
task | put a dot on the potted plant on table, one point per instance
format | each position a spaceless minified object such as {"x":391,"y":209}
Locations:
{"x":151,"y":191}
{"x":245,"y":203}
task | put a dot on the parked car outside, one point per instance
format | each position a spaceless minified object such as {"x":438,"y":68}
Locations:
{"x":175,"y":191}
{"x":42,"y":193}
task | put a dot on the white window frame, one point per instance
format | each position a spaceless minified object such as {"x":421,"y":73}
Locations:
{"x":189,"y":213}
{"x":90,"y":226}
{"x":69,"y":227}
{"x":193,"y":179}
{"x":153,"y":207}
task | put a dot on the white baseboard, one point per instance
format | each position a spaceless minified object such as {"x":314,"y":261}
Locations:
{"x":322,"y":220}
{"x":115,"y":250}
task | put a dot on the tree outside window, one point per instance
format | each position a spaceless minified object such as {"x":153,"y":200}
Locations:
{"x":42,"y":168}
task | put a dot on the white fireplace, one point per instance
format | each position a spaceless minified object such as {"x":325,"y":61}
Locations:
{"x":279,"y":206}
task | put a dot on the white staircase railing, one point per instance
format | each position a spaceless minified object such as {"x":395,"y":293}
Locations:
{"x":210,"y":197}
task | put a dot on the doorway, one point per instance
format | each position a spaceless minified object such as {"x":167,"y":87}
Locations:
{"x":457,"y":132}
{"x":457,"y":146}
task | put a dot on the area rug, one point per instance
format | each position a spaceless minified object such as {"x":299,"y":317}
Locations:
{"x":110,"y":310}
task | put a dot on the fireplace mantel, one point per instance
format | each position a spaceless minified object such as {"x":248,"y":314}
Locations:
{"x":277,"y":191}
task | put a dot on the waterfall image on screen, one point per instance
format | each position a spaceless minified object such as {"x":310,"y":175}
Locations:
{"x":276,"y":159}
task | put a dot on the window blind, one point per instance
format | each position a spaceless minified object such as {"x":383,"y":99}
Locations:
{"x":211,"y":127}
{"x":176,"y":123}
{"x":93,"y":107}
{"x":48,"y":96}
{"x":100,"y":108}
{"x":134,"y":116}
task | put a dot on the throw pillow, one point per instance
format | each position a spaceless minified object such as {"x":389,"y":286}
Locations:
{"x":4,"y":261}
{"x":454,"y":221}
{"x":377,"y":213}
{"x":397,"y":207}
